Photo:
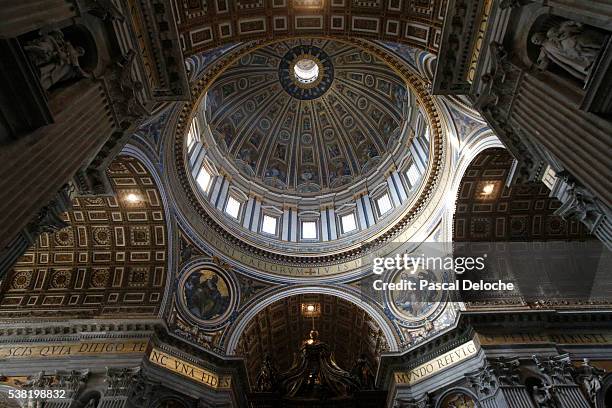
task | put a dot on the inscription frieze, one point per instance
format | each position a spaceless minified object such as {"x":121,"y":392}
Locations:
{"x":23,"y":351}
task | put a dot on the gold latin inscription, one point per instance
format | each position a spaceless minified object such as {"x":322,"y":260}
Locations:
{"x":72,"y":349}
{"x":189,"y":370}
{"x":446,"y":360}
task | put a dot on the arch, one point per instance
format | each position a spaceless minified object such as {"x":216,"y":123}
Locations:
{"x":279,"y":331}
{"x":472,"y":149}
{"x":352,"y":296}
{"x":487,"y":207}
{"x":170,"y":402}
{"x":604,"y":396}
{"x":171,"y":236}
{"x":88,"y":399}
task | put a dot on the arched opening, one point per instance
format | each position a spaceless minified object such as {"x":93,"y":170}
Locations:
{"x":313,"y":350}
{"x":279,"y":330}
{"x":170,"y":403}
{"x":535,"y":388}
{"x":458,"y":399}
{"x":89,"y":399}
{"x":306,"y":70}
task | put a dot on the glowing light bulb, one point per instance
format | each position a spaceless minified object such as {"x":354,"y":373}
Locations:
{"x":132,"y":198}
{"x":488,"y":189}
{"x":310,"y":308}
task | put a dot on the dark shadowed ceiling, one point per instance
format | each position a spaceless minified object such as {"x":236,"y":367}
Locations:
{"x":280,"y":329}
{"x":522,"y":212}
{"x":110,"y":261}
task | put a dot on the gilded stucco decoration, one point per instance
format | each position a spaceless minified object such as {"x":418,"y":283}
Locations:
{"x":310,"y":143}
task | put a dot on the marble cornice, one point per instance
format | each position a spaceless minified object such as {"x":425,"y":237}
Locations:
{"x":14,"y":331}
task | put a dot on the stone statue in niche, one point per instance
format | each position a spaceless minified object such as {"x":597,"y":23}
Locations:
{"x":106,"y":10}
{"x":580,"y":204}
{"x":56,"y":59}
{"x":570,"y":45}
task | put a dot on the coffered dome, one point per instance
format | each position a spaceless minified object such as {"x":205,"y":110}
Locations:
{"x":310,"y":146}
{"x":307,"y":116}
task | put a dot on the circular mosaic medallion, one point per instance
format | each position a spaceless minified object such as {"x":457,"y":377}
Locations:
{"x":306,"y":72}
{"x":101,"y":235}
{"x":64,"y":237}
{"x":206,"y":294}
{"x":412,"y":307}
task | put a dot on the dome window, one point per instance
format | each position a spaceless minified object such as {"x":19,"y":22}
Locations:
{"x":413,"y":176}
{"x":348,"y":222}
{"x":384,"y":204}
{"x":268,"y":225}
{"x":203,"y":180}
{"x":309,"y":230}
{"x":232,"y":207}
{"x":192,"y":135}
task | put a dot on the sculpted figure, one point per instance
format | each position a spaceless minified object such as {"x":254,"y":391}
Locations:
{"x":267,"y":377}
{"x":590,"y":379}
{"x":56,"y":59}
{"x":361,"y":371}
{"x":543,"y":397}
{"x":570,"y":45}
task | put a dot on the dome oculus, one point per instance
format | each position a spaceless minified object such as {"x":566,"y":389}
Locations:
{"x":306,"y":70}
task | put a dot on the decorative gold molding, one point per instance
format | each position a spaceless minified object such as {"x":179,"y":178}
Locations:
{"x":478,"y":42}
{"x":433,"y":366}
{"x":55,"y":350}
